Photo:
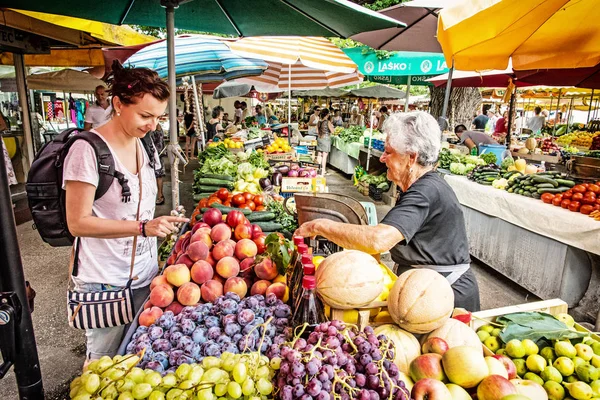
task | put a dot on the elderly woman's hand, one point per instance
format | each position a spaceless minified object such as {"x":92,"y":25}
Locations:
{"x":308,"y":229}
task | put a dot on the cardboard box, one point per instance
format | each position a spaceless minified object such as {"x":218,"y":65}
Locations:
{"x":303,"y":185}
{"x":290,"y":156}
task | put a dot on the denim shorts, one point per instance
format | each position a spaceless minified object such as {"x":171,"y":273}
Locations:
{"x":106,"y":341}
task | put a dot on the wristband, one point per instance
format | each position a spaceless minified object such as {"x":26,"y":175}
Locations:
{"x":144,"y":222}
{"x":141,"y":228}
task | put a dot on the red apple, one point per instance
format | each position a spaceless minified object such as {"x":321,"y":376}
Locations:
{"x":427,"y":366}
{"x":430,"y":389}
{"x":495,"y":387}
{"x":435,"y":345}
{"x":510,"y":366}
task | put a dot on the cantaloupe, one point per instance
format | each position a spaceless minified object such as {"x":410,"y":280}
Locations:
{"x":349,"y":279}
{"x":406,"y":346}
{"x":455,"y":333}
{"x":421,"y":300}
{"x":531,"y":143}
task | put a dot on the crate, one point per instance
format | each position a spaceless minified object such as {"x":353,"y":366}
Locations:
{"x":289,"y":156}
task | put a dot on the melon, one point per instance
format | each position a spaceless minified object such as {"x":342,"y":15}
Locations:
{"x":531,"y":143}
{"x":455,"y":333}
{"x":421,"y":300}
{"x":406,"y":346}
{"x":349,"y":279}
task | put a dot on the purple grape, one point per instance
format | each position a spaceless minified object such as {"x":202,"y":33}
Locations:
{"x":264,"y":343}
{"x":365,"y":359}
{"x":329,"y":370}
{"x":326,"y":385}
{"x":371,"y":368}
{"x":323,"y":395}
{"x":246,"y":343}
{"x":314,"y":387}
{"x":143,"y":337}
{"x":271,"y":300}
{"x":286,"y":393}
{"x":236,"y":338}
{"x":373,"y":340}
{"x":350,"y":368}
{"x":130,"y":347}
{"x":161,"y":345}
{"x":364,"y":347}
{"x":199,"y":335}
{"x":140,"y":346}
{"x":297,"y":370}
{"x":364,"y":395}
{"x":284,"y":369}
{"x":360,"y":379}
{"x":376,"y":354}
{"x":148,"y":354}
{"x":156,"y":366}
{"x":298,"y":390}
{"x":372,"y":381}
{"x":283,"y":311}
{"x":312,"y":368}
{"x":300,"y":344}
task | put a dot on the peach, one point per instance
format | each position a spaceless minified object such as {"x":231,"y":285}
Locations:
{"x":178,"y":245}
{"x":211,"y":260}
{"x":220,"y":232}
{"x":247,"y":264}
{"x":228,"y":267}
{"x":222,"y":250}
{"x":260,"y":287}
{"x":197,"y":251}
{"x":177,"y":274}
{"x":248,"y":281}
{"x":280,"y":278}
{"x":199,"y":225}
{"x":202,"y":236}
{"x":148,"y":305}
{"x":185,"y":243}
{"x":219,"y":279}
{"x":201,"y":272}
{"x":280,"y":290}
{"x":188,"y":294}
{"x":245,"y":248}
{"x":149,"y":316}
{"x":172,"y":258}
{"x":159,"y":280}
{"x":242,"y":231}
{"x":174,"y":307}
{"x":266,"y":269}
{"x":211,"y":290}
{"x":185,"y":259}
{"x":427,"y":366}
{"x":162,"y":295}
{"x":236,"y":285}
{"x":231,"y":242}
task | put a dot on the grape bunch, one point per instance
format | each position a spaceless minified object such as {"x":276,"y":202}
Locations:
{"x":232,"y":376}
{"x":211,"y":329}
{"x":339,"y":363}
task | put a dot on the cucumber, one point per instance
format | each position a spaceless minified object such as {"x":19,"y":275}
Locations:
{"x":261,"y":216}
{"x":565,"y":182}
{"x":529,"y":188}
{"x":219,"y":177}
{"x":544,"y":179}
{"x":509,"y":174}
{"x":206,"y":189}
{"x":527,"y":194}
{"x":559,"y":189}
{"x":215,"y":182}
{"x":489,"y":170}
{"x":544,"y":186}
{"x":520,"y":191}
{"x":200,"y":196}
{"x":198,"y":217}
{"x":510,"y":190}
{"x":536,"y":195}
{"x":268,"y":226}
{"x":485,"y":183}
{"x":225,"y":209}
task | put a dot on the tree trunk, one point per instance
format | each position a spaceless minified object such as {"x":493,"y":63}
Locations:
{"x":463,"y":104}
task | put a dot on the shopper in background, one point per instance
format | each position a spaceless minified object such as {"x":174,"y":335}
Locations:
{"x":271,"y":117}
{"x":313,"y":121}
{"x":501,"y":128}
{"x":382,"y":116}
{"x":191,"y":135}
{"x":237,"y":115}
{"x":537,"y":122}
{"x":490,"y":126}
{"x":100,"y":112}
{"x":356,"y":118}
{"x":337,"y":119}
{"x":472,"y":139}
{"x":260,"y":116}
{"x":245,"y":111}
{"x":324,"y":139}
{"x":105,"y":228}
{"x":214,"y":127}
{"x":225,"y":118}
{"x":480,"y":122}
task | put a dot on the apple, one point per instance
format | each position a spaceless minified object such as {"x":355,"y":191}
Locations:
{"x":465,"y":366}
{"x":510,"y":366}
{"x":496,"y":367}
{"x":495,"y":387}
{"x":430,"y":389}
{"x":427,"y":366}
{"x":435,"y":345}
{"x":530,"y":389}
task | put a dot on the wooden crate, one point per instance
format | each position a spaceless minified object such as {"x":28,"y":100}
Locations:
{"x":289,"y":156}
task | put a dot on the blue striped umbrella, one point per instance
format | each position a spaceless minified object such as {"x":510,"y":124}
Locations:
{"x":210,"y":60}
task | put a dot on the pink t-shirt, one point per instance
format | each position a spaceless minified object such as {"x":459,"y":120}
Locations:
{"x":107,"y":261}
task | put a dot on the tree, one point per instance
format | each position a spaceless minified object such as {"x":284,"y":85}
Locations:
{"x":463,"y":103}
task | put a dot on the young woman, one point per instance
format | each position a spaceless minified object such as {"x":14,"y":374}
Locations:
{"x":313,"y":121}
{"x":324,"y":138}
{"x":105,"y":228}
{"x":190,"y":134}
{"x":214,"y":126}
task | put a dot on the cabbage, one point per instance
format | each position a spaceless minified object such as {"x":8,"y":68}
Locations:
{"x":260,"y":173}
{"x":474,"y":160}
{"x":455,"y":152}
{"x":458,"y":168}
{"x":241,"y":185}
{"x":507,"y":162}
{"x":245,"y":171}
{"x":253,"y":188}
{"x":243,"y":155}
{"x":469,"y":167}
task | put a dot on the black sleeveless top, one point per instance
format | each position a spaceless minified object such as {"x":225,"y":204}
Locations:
{"x":211,"y":130}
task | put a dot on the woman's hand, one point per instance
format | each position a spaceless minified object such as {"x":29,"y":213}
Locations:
{"x":162,"y":226}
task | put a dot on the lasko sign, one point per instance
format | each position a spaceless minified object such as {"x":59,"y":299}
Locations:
{"x":399,"y":63}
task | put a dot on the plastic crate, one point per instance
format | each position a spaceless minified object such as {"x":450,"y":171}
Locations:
{"x":371,"y":212}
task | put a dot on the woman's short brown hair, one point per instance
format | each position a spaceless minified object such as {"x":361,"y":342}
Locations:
{"x":130,"y":84}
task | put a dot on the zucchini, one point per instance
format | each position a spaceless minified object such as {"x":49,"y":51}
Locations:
{"x":486,"y":183}
{"x":527,"y":194}
{"x":206,"y":189}
{"x":198,"y":217}
{"x":490,"y":178}
{"x":200,"y":196}
{"x":510,"y":190}
{"x":261,"y":216}
{"x":268,"y":226}
{"x":215,"y":182}
{"x":520,"y":191}
{"x":544,"y":179}
{"x":559,"y":189}
{"x":219,"y":177}
{"x":565,"y":182}
{"x":509,"y":174}
{"x":225,"y":209}
{"x":536,"y":195}
{"x":544,"y":186}
{"x":489,"y":170}
{"x":530,"y":188}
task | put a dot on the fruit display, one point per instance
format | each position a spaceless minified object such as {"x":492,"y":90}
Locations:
{"x":549,"y":146}
{"x":595,"y":143}
{"x":166,"y":247}
{"x":577,"y":138}
{"x":583,"y":198}
{"x":279,"y":145}
{"x":233,"y":143}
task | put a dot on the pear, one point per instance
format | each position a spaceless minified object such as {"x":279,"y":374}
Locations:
{"x":579,"y":390}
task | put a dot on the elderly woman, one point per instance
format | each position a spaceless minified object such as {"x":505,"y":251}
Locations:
{"x":425,"y":229}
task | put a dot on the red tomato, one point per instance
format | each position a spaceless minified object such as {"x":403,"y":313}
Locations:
{"x":245,"y":206}
{"x":596,"y":207}
{"x":557,"y":200}
{"x":579,"y":189}
{"x":222,"y":194}
{"x":588,"y":200}
{"x":577,"y":196}
{"x":248,"y":196}
{"x":259,"y":200}
{"x":227,"y":203}
{"x":203,"y":203}
{"x":568,"y":194}
{"x":547,"y":198}
{"x":212,"y":200}
{"x":594,"y":188}
{"x":586,"y":209}
{"x":565,"y":203}
{"x":260,"y":208}
{"x":574,"y":206}
{"x":597,"y":201}
{"x":251,"y":204}
{"x":238,"y":200}
{"x":587,"y":185}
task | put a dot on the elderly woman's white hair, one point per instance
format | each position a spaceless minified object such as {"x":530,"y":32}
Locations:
{"x":414,"y":133}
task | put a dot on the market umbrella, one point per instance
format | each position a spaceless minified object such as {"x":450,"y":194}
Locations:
{"x":378,"y":92}
{"x":327,"y":92}
{"x":485,"y":34}
{"x":66,"y":80}
{"x":238,"y":89}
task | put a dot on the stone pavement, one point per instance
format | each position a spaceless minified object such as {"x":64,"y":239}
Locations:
{"x":62,"y":349}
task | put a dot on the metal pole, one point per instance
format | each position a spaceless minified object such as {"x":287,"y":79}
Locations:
{"x":290,"y":103}
{"x":67,"y":112}
{"x":173,"y":134}
{"x":26,"y":116}
{"x":447,"y":94}
{"x":510,"y":116}
{"x":370,"y":135}
{"x":407,"y":94}
{"x":557,"y":108}
{"x":12,"y":281}
{"x":199,"y":111}
{"x":568,"y":114}
{"x":590,"y":108}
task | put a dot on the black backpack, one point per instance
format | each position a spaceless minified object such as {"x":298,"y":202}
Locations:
{"x":44,"y":182}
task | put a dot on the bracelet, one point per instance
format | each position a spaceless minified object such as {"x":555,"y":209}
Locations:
{"x":141,"y":228}
{"x":144,"y":222}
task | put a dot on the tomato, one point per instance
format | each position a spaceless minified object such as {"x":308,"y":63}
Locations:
{"x":259,"y":200}
{"x":227,"y":203}
{"x":597,"y":201}
{"x":251,"y":204}
{"x":574,"y":206}
{"x":588,"y":200}
{"x":586,"y":209}
{"x":557,"y":200}
{"x":203,"y":203}
{"x":238,"y":200}
{"x":568,"y":194}
{"x":587,"y":185}
{"x":259,"y":208}
{"x":248,"y":196}
{"x":594,"y":188}
{"x":547,"y":198}
{"x":577,"y":196}
{"x":565,"y":203}
{"x":596,"y":207}
{"x":222,"y":194}
{"x":245,"y":206}
{"x":212,"y":200}
{"x":579,"y":189}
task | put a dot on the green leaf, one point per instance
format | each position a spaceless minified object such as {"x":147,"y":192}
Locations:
{"x":535,"y":326}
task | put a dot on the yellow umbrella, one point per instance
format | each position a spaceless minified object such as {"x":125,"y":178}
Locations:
{"x":538,"y":34}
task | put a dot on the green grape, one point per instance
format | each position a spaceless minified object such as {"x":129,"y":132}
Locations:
{"x":196,"y":374}
{"x":125,"y":385}
{"x":248,"y":387}
{"x":264,"y":386}
{"x":117,"y":359}
{"x":220,"y":389}
{"x":239,"y":372}
{"x":187,"y":384}
{"x":129,"y":361}
{"x":169,"y":380}
{"x":228,"y":364}
{"x":205,"y":394}
{"x":117,"y":374}
{"x":156,"y":395}
{"x":183,"y":370}
{"x":85,"y":396}
{"x":110,"y":392}
{"x":174,"y":393}
{"x":125,"y":396}
{"x":153,"y":379}
{"x":234,"y":390}
{"x":92,"y":366}
{"x":92,"y":383}
{"x":275,"y":363}
{"x":263,"y":372}
{"x":141,"y":391}
{"x":256,"y":397}
{"x":214,"y":375}
{"x":104,"y":363}
{"x":227,"y":355}
{"x":264,"y":360}
{"x":137,"y":375}
{"x":211,"y":362}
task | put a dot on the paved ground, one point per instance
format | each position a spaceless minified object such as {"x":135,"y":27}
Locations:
{"x":61,"y":349}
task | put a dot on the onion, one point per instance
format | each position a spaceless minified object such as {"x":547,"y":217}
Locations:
{"x":305,"y":174}
{"x":313,"y":173}
{"x":295,"y":166}
{"x":293,"y":173}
